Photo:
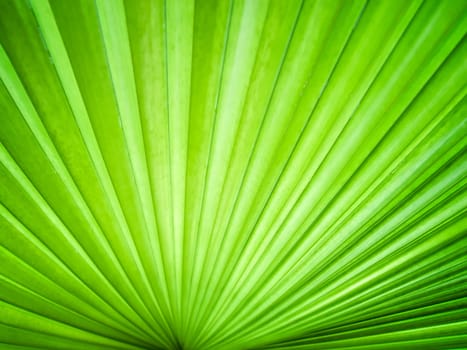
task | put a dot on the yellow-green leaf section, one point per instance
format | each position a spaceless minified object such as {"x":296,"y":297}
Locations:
{"x":233,"y":174}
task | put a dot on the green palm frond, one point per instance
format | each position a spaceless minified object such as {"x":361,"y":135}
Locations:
{"x":233,"y":174}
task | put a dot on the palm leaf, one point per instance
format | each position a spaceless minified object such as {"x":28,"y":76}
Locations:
{"x":233,"y":174}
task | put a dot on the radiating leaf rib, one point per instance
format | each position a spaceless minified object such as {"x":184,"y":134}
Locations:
{"x":149,"y":70}
{"x":302,"y":40}
{"x":109,"y":271}
{"x":233,"y":174}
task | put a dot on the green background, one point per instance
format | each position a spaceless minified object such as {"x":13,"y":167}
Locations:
{"x":243,"y":174}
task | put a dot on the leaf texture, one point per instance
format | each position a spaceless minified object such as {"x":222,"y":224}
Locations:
{"x":233,"y":174}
